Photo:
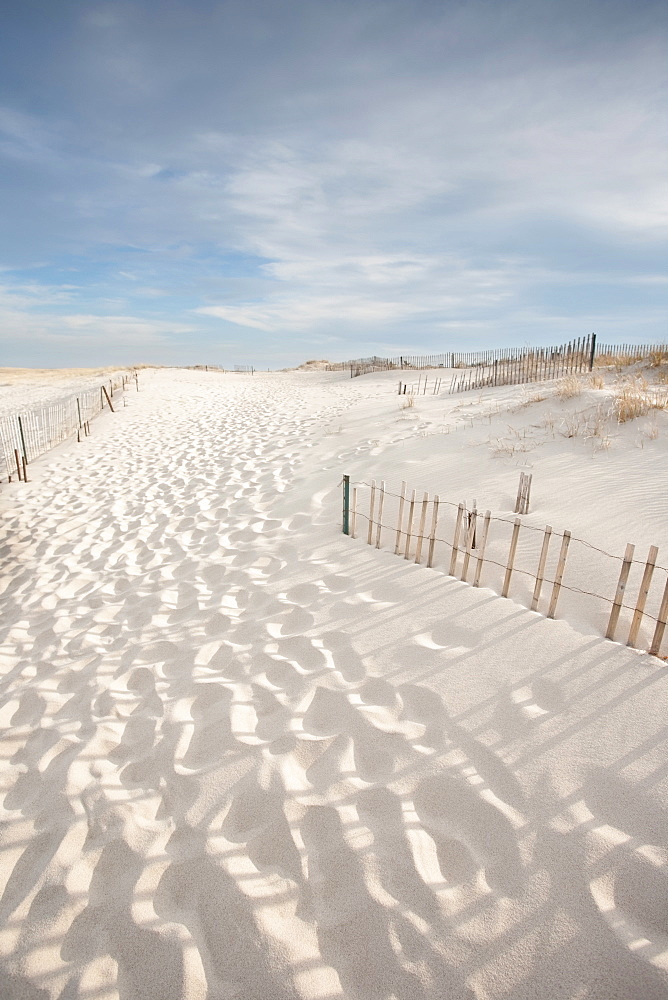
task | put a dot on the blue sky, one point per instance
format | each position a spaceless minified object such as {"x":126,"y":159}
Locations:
{"x":266,"y":181}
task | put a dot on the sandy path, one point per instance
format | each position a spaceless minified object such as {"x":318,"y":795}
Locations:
{"x":244,"y":757}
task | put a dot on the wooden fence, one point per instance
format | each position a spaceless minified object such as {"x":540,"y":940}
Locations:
{"x":532,"y":365}
{"x":539,"y":567}
{"x":26,"y":435}
{"x":629,"y":353}
{"x":521,"y":360}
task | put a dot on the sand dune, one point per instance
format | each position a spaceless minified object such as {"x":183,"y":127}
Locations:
{"x":246,"y":757}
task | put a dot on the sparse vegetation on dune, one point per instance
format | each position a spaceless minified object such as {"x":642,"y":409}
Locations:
{"x":635,"y":398}
{"x":569,"y":387}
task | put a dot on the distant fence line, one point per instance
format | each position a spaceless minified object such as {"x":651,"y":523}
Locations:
{"x":532,"y":365}
{"x":26,"y":435}
{"x":504,"y":554}
{"x":629,"y":353}
{"x":505,"y":357}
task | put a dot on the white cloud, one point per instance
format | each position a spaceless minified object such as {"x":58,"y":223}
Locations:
{"x":417,"y":171}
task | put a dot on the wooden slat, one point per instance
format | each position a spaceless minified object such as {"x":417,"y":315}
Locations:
{"x":619,"y":593}
{"x":470,"y":537}
{"x":400,"y":518}
{"x":540,"y":572}
{"x":642,"y":595}
{"x":511,"y":557}
{"x":423,"y":520}
{"x":455,"y":540}
{"x":409,"y":526}
{"x":432,"y":533}
{"x":481,"y":548}
{"x":381,"y":502}
{"x":657,"y":638}
{"x":372,"y":500}
{"x":561,"y":565}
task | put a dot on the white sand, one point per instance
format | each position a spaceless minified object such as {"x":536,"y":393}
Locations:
{"x":27,"y":388}
{"x":246,"y":757}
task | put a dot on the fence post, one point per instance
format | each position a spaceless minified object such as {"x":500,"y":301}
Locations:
{"x":18,"y":464}
{"x":455,"y":540}
{"x":511,"y":557}
{"x":592,"y":352}
{"x":79,"y":412}
{"x":540,"y":572}
{"x":559,"y":574}
{"x":642,"y":595}
{"x":380,"y":513}
{"x":372,"y":502}
{"x":353,"y":517}
{"x":470,"y":539}
{"x":400,"y":518}
{"x":23,"y":440}
{"x":409,"y":526}
{"x":346,"y":505}
{"x":527,"y":492}
{"x":108,"y":400}
{"x":619,"y":593}
{"x":423,"y":518}
{"x":432,"y":533}
{"x":657,"y":639}
{"x":481,"y":548}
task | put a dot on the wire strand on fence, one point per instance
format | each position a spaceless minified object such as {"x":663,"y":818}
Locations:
{"x":531,"y":575}
{"x":528,"y":527}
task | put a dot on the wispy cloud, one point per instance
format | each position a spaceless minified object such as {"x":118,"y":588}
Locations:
{"x":357,"y":173}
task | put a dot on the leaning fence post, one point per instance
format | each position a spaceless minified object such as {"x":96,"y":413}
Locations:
{"x":518,"y":500}
{"x":108,"y":400}
{"x":346,"y":505}
{"x":642,"y":595}
{"x":380,"y":513}
{"x":559,"y":574}
{"x":540,"y":572}
{"x":525,"y":491}
{"x":400,"y":518}
{"x":23,"y":440}
{"x":409,"y":526}
{"x":481,"y":548}
{"x":432,"y":533}
{"x":511,"y":557}
{"x":657,"y":639}
{"x":619,"y":593}
{"x":18,"y":464}
{"x":372,"y":501}
{"x":469,"y":536}
{"x":455,"y":539}
{"x":423,"y":518}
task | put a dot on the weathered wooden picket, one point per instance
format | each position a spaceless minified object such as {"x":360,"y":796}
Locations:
{"x":509,"y":554}
{"x":532,"y":363}
{"x":26,"y":435}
